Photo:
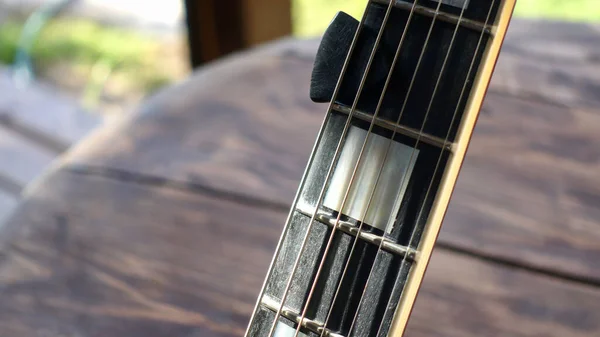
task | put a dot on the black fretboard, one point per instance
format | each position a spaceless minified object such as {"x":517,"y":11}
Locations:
{"x":336,"y":274}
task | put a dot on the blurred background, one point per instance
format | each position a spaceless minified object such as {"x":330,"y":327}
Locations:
{"x":141,"y":226}
{"x":67,"y":66}
{"x":109,"y":54}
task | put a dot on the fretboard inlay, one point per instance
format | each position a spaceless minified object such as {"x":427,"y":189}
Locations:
{"x":391,"y":134}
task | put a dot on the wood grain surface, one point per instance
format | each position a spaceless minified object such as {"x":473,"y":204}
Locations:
{"x":22,"y":160}
{"x":244,"y":125}
{"x":95,"y":257}
{"x":554,"y":61}
{"x":528,"y":195}
{"x":91,"y":256}
{"x":36,"y":125}
{"x":43,"y":114}
{"x":8,"y":202}
{"x":163,"y":224}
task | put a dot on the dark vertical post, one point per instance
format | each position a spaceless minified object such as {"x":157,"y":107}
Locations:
{"x":217,"y":28}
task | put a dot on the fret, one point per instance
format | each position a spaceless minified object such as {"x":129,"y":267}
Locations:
{"x":327,"y":218}
{"x":407,"y":98}
{"x":400,"y":129}
{"x":442,"y":16}
{"x":271,"y":304}
{"x":369,"y":207}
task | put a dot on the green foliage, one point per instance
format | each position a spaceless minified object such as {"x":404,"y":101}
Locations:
{"x":311,"y":17}
{"x":9,"y":35}
{"x":79,"y":41}
{"x":83,"y":43}
{"x":572,"y":10}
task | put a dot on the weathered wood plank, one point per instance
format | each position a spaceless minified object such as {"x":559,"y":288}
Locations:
{"x":43,"y":114}
{"x":7,"y":204}
{"x":253,"y":140}
{"x":466,"y":297}
{"x":529,"y":191}
{"x":96,"y":256}
{"x":90,"y":255}
{"x":555,"y":61}
{"x":22,"y":160}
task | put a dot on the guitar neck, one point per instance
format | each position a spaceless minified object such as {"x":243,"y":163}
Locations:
{"x":405,"y":86}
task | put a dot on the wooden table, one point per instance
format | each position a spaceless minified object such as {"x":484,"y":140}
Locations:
{"x":37,"y":123}
{"x":163,"y":224}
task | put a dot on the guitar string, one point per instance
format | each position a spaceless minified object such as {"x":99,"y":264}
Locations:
{"x":456,"y":110}
{"x":425,"y":119}
{"x":387,"y":152}
{"x":417,"y":141}
{"x":353,"y":175}
{"x":412,"y":155}
{"x":304,"y":177}
{"x":336,"y":156}
{"x":361,"y":223}
{"x":377,"y":179}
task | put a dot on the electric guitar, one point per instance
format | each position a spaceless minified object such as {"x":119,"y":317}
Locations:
{"x":404,"y":87}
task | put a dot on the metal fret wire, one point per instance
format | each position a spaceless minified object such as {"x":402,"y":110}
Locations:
{"x":285,"y":231}
{"x":430,"y":105}
{"x":409,"y":91}
{"x":352,"y":178}
{"x":379,"y":103}
{"x":335,"y":158}
{"x":385,"y":157}
{"x":463,"y":91}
